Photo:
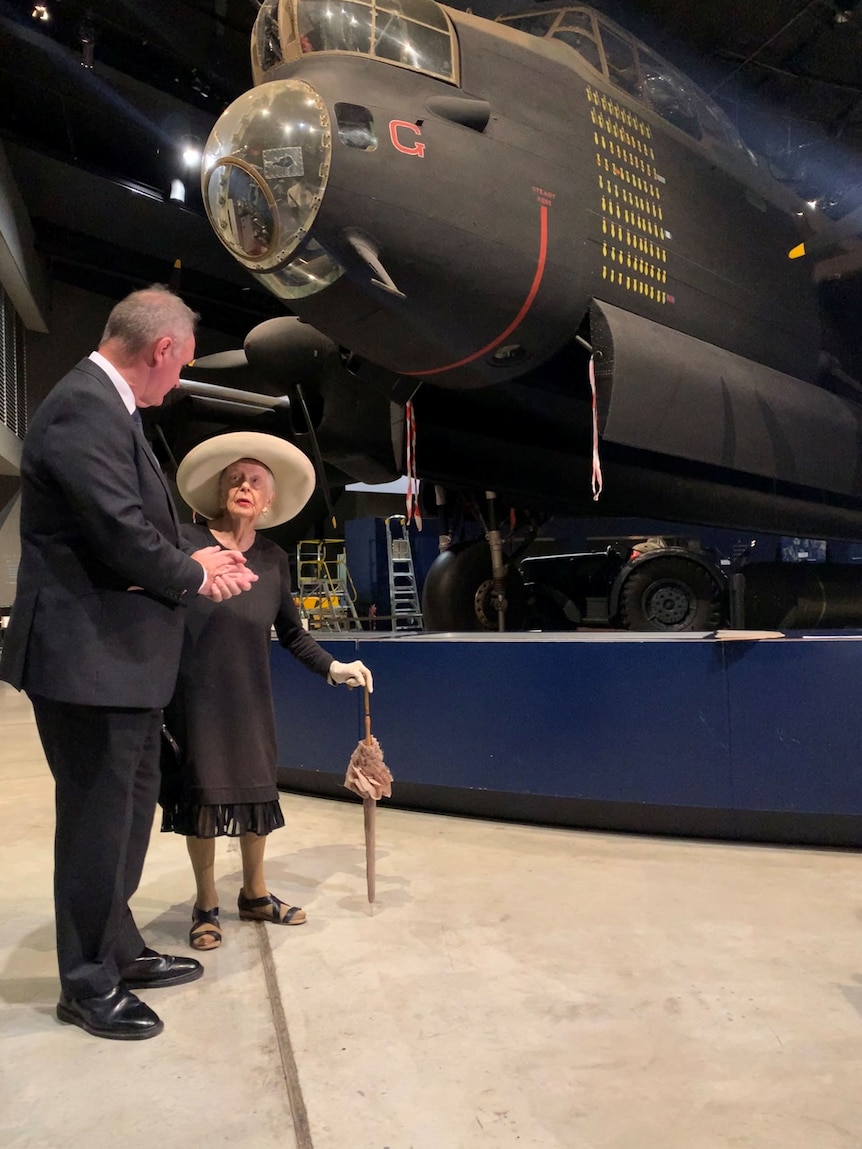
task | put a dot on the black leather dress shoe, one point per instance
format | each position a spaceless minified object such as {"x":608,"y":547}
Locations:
{"x":117,"y":1014}
{"x":150,"y":970}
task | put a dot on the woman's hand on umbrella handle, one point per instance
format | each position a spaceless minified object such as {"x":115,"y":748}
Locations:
{"x":351,"y":674}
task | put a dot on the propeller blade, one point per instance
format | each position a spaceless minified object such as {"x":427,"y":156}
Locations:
{"x":234,"y":395}
{"x":318,"y":457}
{"x":221,"y":360}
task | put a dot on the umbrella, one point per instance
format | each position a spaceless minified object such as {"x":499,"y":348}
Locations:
{"x":368,"y":776}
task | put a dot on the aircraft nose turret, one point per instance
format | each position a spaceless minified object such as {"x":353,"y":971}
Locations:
{"x":264,"y":173}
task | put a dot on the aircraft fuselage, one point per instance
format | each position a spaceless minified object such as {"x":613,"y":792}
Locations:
{"x":456,"y":224}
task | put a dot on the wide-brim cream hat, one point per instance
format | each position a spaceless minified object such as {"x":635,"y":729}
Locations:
{"x":199,"y":473}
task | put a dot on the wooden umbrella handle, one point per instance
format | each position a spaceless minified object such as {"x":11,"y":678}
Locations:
{"x":369,"y":811}
{"x":367,"y":719}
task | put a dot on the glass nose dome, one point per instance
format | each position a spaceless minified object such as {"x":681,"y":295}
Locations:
{"x":265,"y":170}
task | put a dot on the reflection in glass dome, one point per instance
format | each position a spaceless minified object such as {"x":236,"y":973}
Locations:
{"x":265,"y":170}
{"x":249,"y":223}
{"x":309,"y":271}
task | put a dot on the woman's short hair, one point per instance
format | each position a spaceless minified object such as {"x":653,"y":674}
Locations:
{"x":147,"y":315}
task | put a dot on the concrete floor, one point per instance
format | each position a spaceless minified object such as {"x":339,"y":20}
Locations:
{"x":514,"y":987}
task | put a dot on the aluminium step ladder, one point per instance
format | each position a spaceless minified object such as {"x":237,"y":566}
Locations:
{"x":404,"y":608}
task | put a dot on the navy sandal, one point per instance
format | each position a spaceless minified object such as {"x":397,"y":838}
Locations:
{"x":269,"y":909}
{"x":205,"y":924}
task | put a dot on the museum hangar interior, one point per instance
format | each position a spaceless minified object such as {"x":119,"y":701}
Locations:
{"x":517,"y":981}
{"x":106,"y":110}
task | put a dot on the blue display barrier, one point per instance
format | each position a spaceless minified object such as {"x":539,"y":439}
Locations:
{"x":683,"y":734}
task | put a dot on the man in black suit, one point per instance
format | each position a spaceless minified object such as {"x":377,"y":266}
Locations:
{"x":95,"y":638}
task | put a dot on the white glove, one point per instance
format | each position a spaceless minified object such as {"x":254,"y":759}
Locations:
{"x":352,"y":674}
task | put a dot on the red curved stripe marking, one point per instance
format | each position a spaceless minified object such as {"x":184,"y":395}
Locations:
{"x":525,"y":307}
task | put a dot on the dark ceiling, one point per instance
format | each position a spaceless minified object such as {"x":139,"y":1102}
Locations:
{"x":788,"y":72}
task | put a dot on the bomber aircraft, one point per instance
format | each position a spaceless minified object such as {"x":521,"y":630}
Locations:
{"x":528,"y":261}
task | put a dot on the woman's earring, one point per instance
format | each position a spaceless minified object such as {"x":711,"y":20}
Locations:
{"x":265,"y":511}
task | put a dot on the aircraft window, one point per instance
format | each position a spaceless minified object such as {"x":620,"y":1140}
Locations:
{"x":537,"y":25}
{"x":410,"y":32}
{"x":670,"y":96}
{"x":583,"y":45}
{"x":334,"y":27}
{"x":576,"y":30}
{"x":356,"y":127}
{"x":620,"y":56}
{"x":267,"y":38}
{"x":266,"y":167}
{"x":392,"y":37}
{"x":419,"y":10}
{"x":717,"y":125}
{"x":405,"y":42}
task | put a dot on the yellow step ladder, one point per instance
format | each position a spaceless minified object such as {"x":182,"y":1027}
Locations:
{"x":325,"y":593}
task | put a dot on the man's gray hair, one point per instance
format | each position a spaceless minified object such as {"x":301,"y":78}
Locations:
{"x":147,"y":315}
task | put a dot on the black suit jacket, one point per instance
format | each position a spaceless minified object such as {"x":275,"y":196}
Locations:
{"x":97,"y":518}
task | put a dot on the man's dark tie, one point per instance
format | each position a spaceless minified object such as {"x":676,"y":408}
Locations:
{"x":139,"y":426}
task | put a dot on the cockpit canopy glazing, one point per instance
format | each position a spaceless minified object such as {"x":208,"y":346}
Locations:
{"x":415,"y":34}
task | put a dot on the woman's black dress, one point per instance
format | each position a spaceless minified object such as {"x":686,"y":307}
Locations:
{"x":222,"y":713}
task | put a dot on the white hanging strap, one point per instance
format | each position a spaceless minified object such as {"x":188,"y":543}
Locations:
{"x":596,"y":477}
{"x":414,"y":514}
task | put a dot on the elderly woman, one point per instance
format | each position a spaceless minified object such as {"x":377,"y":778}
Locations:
{"x":223,"y":781}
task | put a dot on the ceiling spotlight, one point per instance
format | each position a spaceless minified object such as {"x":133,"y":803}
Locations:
{"x":40,"y":12}
{"x":191,"y":156}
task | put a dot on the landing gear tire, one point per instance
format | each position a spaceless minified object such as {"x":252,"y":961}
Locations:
{"x":458,"y":592}
{"x":670,"y":594}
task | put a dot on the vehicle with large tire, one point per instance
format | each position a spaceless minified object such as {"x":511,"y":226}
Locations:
{"x":656,"y":586}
